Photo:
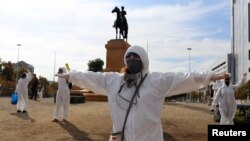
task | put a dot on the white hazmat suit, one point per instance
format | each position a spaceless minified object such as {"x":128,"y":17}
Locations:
{"x":216,"y":85}
{"x":22,"y":92}
{"x":144,"y":122}
{"x":40,"y":93}
{"x":225,"y":97}
{"x":62,"y":97}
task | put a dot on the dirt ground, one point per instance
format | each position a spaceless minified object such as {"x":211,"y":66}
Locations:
{"x":90,"y":121}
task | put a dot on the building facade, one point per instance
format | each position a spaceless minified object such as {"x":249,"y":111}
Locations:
{"x":223,"y":65}
{"x":240,"y":38}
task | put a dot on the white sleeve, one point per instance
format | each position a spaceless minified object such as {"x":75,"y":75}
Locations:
{"x":216,"y":85}
{"x":187,"y":82}
{"x":241,"y":81}
{"x":94,"y":81}
{"x":28,"y":77}
{"x":217,"y":97}
{"x":17,"y":87}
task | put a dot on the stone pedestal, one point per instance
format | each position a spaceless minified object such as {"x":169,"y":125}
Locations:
{"x":116,"y":49}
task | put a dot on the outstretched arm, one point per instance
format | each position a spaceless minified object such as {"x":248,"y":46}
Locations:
{"x":241,"y":81}
{"x":215,"y":77}
{"x":187,"y":82}
{"x":94,"y":81}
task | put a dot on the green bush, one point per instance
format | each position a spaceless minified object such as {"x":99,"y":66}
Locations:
{"x":242,"y":91}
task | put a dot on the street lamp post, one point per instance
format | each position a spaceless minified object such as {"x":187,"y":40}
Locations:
{"x":17,"y":62}
{"x":189,"y":69}
{"x":54,"y":66}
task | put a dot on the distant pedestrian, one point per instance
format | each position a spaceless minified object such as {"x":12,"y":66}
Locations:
{"x":40,"y":93}
{"x":34,"y":87}
{"x":62,"y":97}
{"x":225,"y":97}
{"x":22,"y":91}
{"x":215,"y":87}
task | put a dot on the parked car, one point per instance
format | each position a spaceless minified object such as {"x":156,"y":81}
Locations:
{"x":242,"y":115}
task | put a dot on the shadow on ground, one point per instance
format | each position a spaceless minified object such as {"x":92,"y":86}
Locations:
{"x":24,"y":116}
{"x":77,"y":134}
{"x":168,"y":137}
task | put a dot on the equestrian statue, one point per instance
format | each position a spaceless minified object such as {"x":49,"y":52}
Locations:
{"x":120,"y":23}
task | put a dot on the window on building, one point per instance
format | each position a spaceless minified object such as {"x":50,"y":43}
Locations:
{"x":248,"y":69}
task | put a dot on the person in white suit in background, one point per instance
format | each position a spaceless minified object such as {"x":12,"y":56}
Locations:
{"x":136,"y":97}
{"x":215,"y":87}
{"x":40,"y":93}
{"x":225,"y":97}
{"x":22,"y":92}
{"x":62,"y":97}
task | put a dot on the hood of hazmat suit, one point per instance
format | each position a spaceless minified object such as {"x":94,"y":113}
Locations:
{"x":143,"y":55}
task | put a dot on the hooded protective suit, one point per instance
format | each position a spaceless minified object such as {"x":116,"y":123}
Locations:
{"x":22,"y":92}
{"x":215,"y":88}
{"x":226,"y":100}
{"x":62,"y":97}
{"x":143,"y":123}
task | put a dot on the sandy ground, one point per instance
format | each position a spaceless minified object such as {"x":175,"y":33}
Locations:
{"x":90,"y":121}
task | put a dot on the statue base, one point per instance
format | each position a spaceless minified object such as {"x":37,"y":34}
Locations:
{"x":116,"y":49}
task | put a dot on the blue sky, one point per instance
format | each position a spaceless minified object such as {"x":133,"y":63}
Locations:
{"x":77,"y":30}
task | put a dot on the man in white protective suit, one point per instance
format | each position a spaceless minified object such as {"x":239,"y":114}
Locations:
{"x":62,"y":97}
{"x":136,"y":97}
{"x":215,"y":87}
{"x":225,"y":97}
{"x":22,"y":92}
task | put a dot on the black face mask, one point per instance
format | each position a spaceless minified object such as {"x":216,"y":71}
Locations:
{"x":23,"y":75}
{"x":227,"y":83}
{"x":134,"y":66}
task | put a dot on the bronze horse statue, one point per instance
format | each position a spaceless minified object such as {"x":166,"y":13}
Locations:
{"x":120,"y":23}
